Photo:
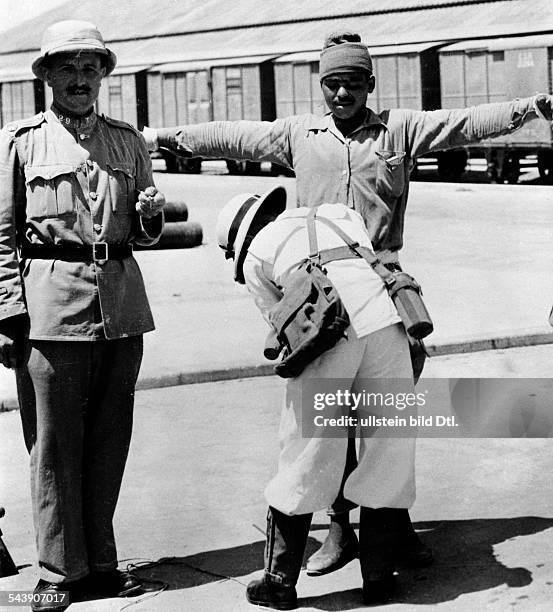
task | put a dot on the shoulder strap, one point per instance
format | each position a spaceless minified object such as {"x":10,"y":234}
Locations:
{"x":312,"y":234}
{"x":356,"y":251}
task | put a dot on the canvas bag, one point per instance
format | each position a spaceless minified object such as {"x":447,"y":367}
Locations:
{"x":310,"y":318}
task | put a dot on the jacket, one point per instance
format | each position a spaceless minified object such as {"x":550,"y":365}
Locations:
{"x":368,"y":170}
{"x":67,"y":182}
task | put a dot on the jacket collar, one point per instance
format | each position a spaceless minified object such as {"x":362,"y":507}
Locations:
{"x":326,"y":122}
{"x":80,"y":124}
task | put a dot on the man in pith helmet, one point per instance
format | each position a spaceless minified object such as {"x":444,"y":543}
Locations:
{"x":76,"y":192}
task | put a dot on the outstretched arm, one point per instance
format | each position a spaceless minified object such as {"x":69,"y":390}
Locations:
{"x":252,"y":140}
{"x":428,"y":131}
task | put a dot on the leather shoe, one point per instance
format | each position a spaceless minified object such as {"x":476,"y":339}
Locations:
{"x":51,"y":597}
{"x":114,"y":583}
{"x":264,"y":592}
{"x":337,"y":550}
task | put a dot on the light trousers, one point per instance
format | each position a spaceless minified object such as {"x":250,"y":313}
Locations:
{"x":310,"y":470}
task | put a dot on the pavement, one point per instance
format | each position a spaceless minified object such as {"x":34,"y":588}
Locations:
{"x":191,"y":513}
{"x":482,"y":254}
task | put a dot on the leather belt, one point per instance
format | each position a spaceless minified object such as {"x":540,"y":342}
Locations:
{"x":97,"y":252}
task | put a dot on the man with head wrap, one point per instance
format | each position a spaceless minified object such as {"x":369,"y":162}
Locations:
{"x":362,"y":159}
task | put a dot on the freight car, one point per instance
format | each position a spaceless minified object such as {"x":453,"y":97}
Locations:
{"x":495,"y":70}
{"x":192,"y":92}
{"x":422,"y":76}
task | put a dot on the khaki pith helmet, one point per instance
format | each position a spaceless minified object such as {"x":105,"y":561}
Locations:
{"x":72,"y":35}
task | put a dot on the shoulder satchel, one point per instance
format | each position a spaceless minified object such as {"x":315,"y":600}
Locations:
{"x":310,"y":318}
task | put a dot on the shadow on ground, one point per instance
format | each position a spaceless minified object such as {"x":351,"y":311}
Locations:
{"x":464,"y":563}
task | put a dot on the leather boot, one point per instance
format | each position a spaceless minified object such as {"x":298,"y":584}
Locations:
{"x":411,"y":552}
{"x":377,"y":541}
{"x":339,"y":548}
{"x":284,"y":548}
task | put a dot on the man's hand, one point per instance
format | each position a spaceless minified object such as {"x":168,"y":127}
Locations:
{"x":12,"y":333}
{"x":543,"y":105}
{"x":150,"y":202}
{"x":150,"y":136}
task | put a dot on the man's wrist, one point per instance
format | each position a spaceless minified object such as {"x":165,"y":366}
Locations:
{"x":151,"y":138}
{"x":543,"y":107}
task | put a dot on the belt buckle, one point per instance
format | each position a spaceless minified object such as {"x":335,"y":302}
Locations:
{"x":100,"y":252}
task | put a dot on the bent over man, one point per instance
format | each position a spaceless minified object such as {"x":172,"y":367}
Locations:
{"x":376,"y":350}
{"x":76,"y":190}
{"x":362,"y":159}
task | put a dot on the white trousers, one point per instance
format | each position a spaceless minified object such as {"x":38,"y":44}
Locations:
{"x":310,"y":470}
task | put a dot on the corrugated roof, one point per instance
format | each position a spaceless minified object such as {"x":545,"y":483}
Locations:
{"x":441,"y":23}
{"x":213,"y":63}
{"x":143,"y":18}
{"x":130,"y":69}
{"x":313,"y":56}
{"x":499,"y":44}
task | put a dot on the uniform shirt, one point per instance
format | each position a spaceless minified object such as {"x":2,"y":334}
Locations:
{"x":70,"y":182}
{"x":368,"y":170}
{"x":280,"y":246}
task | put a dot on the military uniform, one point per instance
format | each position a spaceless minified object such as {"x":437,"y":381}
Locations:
{"x":68,"y":189}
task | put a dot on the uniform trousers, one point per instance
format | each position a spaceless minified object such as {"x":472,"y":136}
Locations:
{"x":76,"y":402}
{"x":311,"y":469}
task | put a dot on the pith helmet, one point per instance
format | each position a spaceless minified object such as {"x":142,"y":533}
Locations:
{"x":242,"y":218}
{"x":72,"y":35}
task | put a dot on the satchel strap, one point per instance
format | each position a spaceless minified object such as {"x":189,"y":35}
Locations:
{"x":312,"y":234}
{"x":352,"y":247}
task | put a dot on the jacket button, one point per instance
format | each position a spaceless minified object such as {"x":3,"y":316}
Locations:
{"x":98,"y":227}
{"x":93,"y":195}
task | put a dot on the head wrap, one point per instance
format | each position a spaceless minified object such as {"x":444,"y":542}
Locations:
{"x":344,"y":52}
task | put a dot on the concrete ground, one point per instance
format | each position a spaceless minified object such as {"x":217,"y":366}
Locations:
{"x":482,"y":254}
{"x":192,"y":512}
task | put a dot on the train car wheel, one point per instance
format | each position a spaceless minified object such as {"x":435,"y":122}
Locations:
{"x":252,"y":168}
{"x":171,"y":163}
{"x":452,"y":164}
{"x":511,"y":169}
{"x":236,"y":166}
{"x":545,"y":165}
{"x":279,"y":170}
{"x":189,"y":165}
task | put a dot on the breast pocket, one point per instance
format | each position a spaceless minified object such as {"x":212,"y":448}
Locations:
{"x":390,"y":173}
{"x":122,"y":188}
{"x":51,"y":190}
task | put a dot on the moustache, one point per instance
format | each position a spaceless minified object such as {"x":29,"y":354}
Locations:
{"x":78,"y":90}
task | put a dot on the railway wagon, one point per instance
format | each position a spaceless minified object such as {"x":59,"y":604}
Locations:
{"x":124,"y":95}
{"x":406,"y":76}
{"x":20,"y":99}
{"x":495,"y":70}
{"x":226,"y":89}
